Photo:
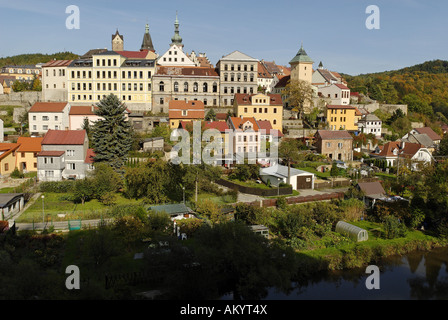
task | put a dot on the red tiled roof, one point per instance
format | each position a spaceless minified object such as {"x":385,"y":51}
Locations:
{"x":195,"y":109}
{"x":57,"y":63}
{"x":187,"y":71}
{"x":267,"y":126}
{"x":82,"y":110}
{"x":48,"y":107}
{"x":409,"y":150}
{"x":133,"y":54}
{"x":428,"y":131}
{"x":334,"y":135}
{"x":64,"y":137}
{"x":7,"y":148}
{"x":221,"y":116}
{"x":341,"y":86}
{"x":283,"y":82}
{"x":50,"y":153}
{"x":246,"y":99}
{"x":238,"y":122}
{"x":221,"y":126}
{"x":29,"y":144}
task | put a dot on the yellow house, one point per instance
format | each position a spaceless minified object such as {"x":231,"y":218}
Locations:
{"x":267,"y":107}
{"x":8,"y":157}
{"x":26,"y":154}
{"x":342,"y":117}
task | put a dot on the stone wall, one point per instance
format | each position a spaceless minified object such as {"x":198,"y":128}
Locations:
{"x":24,"y":99}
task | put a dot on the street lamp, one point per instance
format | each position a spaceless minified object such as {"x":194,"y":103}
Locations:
{"x":43,"y":214}
{"x":183,"y":188}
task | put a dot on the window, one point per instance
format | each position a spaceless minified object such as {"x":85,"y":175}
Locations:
{"x":195,"y":87}
{"x":176,"y":87}
{"x":340,"y":145}
{"x":184,"y":113}
{"x":205,"y":87}
{"x":49,"y":173}
{"x":186,"y":87}
{"x":6,"y":166}
{"x":70,"y":153}
{"x":161,"y":86}
{"x":71,"y":166}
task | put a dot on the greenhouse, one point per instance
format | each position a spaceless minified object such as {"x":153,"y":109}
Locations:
{"x":352,"y":231}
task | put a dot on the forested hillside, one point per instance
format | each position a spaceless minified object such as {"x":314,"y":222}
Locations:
{"x":35,"y":58}
{"x":423,"y":87}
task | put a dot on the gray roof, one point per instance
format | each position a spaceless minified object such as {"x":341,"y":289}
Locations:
{"x":237,"y":55}
{"x":7,"y":199}
{"x":282,"y":171}
{"x":301,"y":56}
{"x":423,"y":139}
{"x":171,"y":209}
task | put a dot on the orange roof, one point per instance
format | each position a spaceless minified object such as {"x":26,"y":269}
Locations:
{"x":133,"y":54}
{"x":82,"y":110}
{"x":28,"y":144}
{"x":57,"y":63}
{"x":238,"y":123}
{"x":194,"y":108}
{"x":186,"y":71}
{"x":48,"y":107}
{"x":7,"y":148}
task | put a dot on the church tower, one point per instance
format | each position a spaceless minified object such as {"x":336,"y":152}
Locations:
{"x":117,"y":42}
{"x":176,"y":39}
{"x":147,"y":41}
{"x":302,"y":67}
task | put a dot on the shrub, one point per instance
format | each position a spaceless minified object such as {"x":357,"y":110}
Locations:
{"x":57,"y":186}
{"x":393,"y":228}
{"x":16,"y":174}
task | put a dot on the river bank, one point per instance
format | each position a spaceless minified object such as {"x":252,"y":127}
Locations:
{"x":362,"y":254}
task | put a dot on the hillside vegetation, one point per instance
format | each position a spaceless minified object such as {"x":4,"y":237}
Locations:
{"x":35,"y":58}
{"x":422,"y":87}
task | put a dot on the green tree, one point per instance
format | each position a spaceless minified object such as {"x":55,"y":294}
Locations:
{"x":211,"y":115}
{"x":289,"y":151}
{"x":299,"y":95}
{"x":112,"y":138}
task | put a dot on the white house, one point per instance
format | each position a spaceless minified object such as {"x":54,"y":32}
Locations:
{"x":279,"y":174}
{"x":338,"y":93}
{"x":370,"y":124}
{"x":44,"y":116}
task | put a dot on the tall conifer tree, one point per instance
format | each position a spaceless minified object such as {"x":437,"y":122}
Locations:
{"x":111,"y":135}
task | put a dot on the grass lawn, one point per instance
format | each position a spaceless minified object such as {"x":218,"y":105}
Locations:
{"x":251,"y":184}
{"x":57,"y":203}
{"x":319,"y":174}
{"x":219,"y":200}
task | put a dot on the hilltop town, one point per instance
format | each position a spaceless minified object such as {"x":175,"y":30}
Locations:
{"x":157,"y":146}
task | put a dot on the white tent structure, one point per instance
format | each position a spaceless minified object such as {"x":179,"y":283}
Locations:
{"x":352,"y":231}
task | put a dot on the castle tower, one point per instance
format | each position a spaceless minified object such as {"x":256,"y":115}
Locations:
{"x":147,"y":41}
{"x":302,"y":66}
{"x":117,"y":42}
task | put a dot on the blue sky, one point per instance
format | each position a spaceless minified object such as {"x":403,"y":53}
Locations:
{"x":334,"y":32}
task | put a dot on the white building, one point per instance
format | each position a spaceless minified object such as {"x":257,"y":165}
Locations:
{"x":44,"y":116}
{"x":337,"y":93}
{"x":277,"y":174}
{"x":55,"y":80}
{"x":370,"y":124}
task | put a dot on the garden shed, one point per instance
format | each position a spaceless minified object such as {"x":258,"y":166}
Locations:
{"x":352,"y":231}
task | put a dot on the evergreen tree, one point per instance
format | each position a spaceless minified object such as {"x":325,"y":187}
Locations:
{"x":111,"y":135}
{"x":211,"y":115}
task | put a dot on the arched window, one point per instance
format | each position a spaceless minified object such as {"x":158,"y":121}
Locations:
{"x":176,"y":87}
{"x":215,"y":87}
{"x":195,"y":87}
{"x":205,"y":87}
{"x":186,"y":87}
{"x":161,"y":86}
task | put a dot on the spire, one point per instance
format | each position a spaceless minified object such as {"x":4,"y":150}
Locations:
{"x":147,"y":41}
{"x":176,"y":39}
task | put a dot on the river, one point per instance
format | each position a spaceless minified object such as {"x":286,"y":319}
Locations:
{"x":415,"y":276}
